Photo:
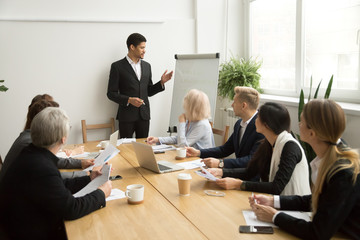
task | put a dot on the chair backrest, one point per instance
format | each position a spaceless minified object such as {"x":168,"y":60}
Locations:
{"x":86,"y":127}
{"x":223,"y":133}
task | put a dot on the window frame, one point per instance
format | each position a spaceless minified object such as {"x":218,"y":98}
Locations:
{"x":344,"y":95}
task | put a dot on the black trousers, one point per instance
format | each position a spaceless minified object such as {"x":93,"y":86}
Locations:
{"x":140,"y":127}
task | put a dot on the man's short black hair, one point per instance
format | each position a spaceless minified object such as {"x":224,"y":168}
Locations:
{"x":135,"y":39}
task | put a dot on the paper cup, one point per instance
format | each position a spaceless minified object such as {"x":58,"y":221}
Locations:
{"x":184,"y":180}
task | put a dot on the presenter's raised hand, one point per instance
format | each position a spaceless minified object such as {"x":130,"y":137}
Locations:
{"x":106,"y":188}
{"x":211,"y":162}
{"x":152,"y":140}
{"x":137,"y":102}
{"x":192,"y":152}
{"x":166,"y":77}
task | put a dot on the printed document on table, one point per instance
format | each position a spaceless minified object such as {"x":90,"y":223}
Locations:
{"x":163,"y":148}
{"x":205,"y":173}
{"x":122,"y":141}
{"x":95,"y":183}
{"x":115,"y":194}
{"x":251,"y":219}
{"x":125,"y":141}
{"x":192,"y":164}
{"x":109,"y":152}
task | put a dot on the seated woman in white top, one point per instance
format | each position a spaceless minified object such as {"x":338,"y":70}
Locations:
{"x":194,"y":129}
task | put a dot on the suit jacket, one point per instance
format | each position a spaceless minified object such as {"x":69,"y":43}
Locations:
{"x":243,"y":151}
{"x":35,"y":200}
{"x":338,"y":210}
{"x":123,"y":83}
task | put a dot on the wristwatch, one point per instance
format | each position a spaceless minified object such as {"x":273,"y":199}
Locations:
{"x":221,"y":163}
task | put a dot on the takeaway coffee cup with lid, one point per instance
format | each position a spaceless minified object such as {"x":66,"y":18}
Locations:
{"x":184,"y":180}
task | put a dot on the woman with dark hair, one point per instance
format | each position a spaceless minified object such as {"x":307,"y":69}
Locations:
{"x":279,"y":161}
{"x":35,"y":200}
{"x":24,"y":140}
{"x":335,"y":201}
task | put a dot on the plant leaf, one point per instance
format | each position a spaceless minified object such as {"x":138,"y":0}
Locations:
{"x":3,"y":88}
{"x":317,"y":90}
{"x":301,"y":104}
{"x":328,"y":89}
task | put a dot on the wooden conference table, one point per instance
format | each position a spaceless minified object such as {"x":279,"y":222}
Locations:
{"x":164,"y":214}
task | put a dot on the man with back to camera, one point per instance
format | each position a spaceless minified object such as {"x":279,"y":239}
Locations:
{"x":130,"y":85}
{"x":244,"y":141}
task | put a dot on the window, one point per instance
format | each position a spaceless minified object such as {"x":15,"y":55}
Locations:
{"x":297,"y":39}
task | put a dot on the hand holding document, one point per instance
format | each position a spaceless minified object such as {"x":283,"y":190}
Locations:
{"x":205,"y":173}
{"x":109,"y":152}
{"x":97,"y":182}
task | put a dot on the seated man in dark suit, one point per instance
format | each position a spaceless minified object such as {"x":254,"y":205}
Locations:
{"x":243,"y":142}
{"x":35,"y":200}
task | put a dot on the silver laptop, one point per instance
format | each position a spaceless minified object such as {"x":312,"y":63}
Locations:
{"x":146,"y":158}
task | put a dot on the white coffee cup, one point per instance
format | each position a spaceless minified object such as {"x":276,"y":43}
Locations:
{"x":104,"y":144}
{"x":135,"y":193}
{"x":181,"y":152}
{"x":184,"y":180}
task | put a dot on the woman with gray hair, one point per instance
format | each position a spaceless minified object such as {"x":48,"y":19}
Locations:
{"x":34,"y":197}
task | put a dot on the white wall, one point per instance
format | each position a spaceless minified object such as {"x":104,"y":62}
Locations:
{"x":66,"y":49}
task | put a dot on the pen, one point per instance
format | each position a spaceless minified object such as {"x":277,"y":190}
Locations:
{"x":253,"y":196}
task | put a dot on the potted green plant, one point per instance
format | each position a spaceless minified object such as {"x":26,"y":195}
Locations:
{"x":238,"y":72}
{"x":2,"y":87}
{"x":309,"y":152}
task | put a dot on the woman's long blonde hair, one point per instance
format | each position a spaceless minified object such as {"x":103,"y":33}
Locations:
{"x":327,"y":119}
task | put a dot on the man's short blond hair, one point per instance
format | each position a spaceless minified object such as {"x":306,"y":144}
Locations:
{"x":248,"y":95}
{"x":196,"y":105}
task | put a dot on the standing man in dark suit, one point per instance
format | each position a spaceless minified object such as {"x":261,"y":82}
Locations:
{"x":244,"y":141}
{"x":130,"y":85}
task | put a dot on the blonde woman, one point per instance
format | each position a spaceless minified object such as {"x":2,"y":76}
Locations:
{"x":335,"y":201}
{"x":194,"y":129}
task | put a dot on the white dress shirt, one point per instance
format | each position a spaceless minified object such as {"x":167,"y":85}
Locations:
{"x":135,"y":66}
{"x":244,"y":126}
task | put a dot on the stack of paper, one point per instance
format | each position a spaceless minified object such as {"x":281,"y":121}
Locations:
{"x":109,"y":152}
{"x":95,"y":183}
{"x":192,"y":164}
{"x":163,"y":148}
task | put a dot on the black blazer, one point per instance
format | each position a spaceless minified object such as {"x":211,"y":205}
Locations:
{"x":123,"y":83}
{"x":35,"y":200}
{"x":243,"y":151}
{"x":338,"y":210}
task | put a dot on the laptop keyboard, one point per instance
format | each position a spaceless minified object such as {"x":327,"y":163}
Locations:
{"x":163,"y":168}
